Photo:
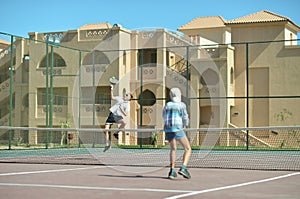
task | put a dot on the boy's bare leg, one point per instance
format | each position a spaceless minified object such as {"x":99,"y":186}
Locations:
{"x":172,"y":143}
{"x":106,"y":137}
{"x":186,"y":157}
{"x":106,"y":133}
{"x":172,"y":173}
{"x":187,"y":149}
{"x":122,"y":124}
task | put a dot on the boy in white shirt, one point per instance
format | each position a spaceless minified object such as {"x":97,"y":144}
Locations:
{"x":116,"y":115}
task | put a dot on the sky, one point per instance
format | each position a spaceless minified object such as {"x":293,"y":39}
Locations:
{"x":22,"y":16}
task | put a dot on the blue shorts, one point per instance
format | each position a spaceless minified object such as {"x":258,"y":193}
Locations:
{"x":176,"y":135}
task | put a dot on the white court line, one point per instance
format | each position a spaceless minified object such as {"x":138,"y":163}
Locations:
{"x":232,"y":186}
{"x":95,"y":188}
{"x":47,"y":171}
{"x":80,"y":187}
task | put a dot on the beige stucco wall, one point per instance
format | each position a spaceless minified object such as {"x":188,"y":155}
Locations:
{"x":210,"y":35}
{"x":273,"y":71}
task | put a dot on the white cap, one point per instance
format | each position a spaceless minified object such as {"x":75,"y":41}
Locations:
{"x":175,"y":94}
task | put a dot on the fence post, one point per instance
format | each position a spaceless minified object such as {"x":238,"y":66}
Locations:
{"x":247,"y":93}
{"x":11,"y":73}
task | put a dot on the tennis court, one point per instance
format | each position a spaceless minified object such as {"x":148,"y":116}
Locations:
{"x":97,"y":181}
{"x":85,"y":171}
{"x":142,"y":173}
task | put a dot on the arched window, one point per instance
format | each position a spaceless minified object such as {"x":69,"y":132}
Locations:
{"x":147,"y":98}
{"x":209,"y":77}
{"x":95,"y":57}
{"x":58,"y":61}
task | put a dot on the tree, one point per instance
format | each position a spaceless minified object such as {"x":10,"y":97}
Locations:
{"x":64,"y":134}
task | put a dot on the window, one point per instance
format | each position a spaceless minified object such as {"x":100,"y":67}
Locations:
{"x":147,"y":56}
{"x":101,"y":96}
{"x":58,"y":61}
{"x":231,"y":75}
{"x":209,"y":77}
{"x":124,"y":57}
{"x":95,"y":57}
{"x":153,"y":57}
{"x":25,"y":101}
{"x":147,"y":98}
{"x":195,"y":39}
{"x":60,"y":96}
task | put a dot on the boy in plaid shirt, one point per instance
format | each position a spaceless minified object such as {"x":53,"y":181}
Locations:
{"x":175,"y":118}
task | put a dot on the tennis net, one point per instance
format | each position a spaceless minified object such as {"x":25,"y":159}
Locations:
{"x":263,"y":148}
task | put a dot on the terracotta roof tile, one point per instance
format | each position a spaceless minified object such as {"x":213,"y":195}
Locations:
{"x":259,"y":17}
{"x":95,"y":26}
{"x":4,"y":42}
{"x":204,"y":22}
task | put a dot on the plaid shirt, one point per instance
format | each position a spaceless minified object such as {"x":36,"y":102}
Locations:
{"x":175,"y":116}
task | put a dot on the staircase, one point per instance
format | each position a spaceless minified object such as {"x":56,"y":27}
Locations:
{"x":176,"y":75}
{"x":4,"y":121}
{"x":5,"y":89}
{"x":5,"y":61}
{"x":241,"y":136}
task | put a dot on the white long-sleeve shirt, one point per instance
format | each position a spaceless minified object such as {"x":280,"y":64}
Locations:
{"x":121,"y":103}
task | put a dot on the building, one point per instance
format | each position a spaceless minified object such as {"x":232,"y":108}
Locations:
{"x":230,"y":73}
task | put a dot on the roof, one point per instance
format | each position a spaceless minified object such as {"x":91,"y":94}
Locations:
{"x":4,"y":42}
{"x":218,"y":21}
{"x":260,"y":17}
{"x":95,"y":26}
{"x":204,"y":22}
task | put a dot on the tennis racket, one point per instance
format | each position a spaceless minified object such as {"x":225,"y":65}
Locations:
{"x":113,"y":80}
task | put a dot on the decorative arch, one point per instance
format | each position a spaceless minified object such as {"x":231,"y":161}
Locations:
{"x":209,"y":77}
{"x":58,"y":61}
{"x":147,"y":98}
{"x":99,"y":58}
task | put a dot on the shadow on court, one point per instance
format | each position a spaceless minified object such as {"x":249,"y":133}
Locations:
{"x":135,"y":176}
{"x":87,"y":181}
